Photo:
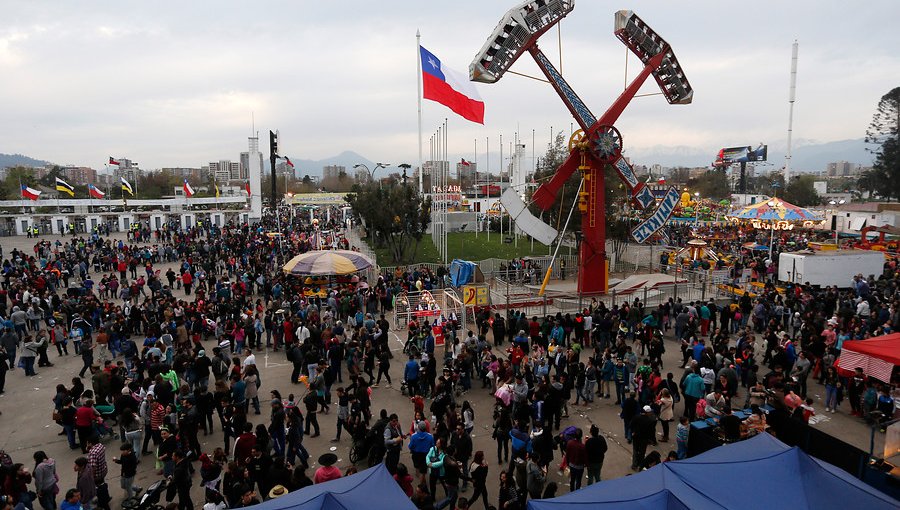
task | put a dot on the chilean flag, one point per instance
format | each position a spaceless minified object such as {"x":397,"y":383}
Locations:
{"x":450,"y":88}
{"x":247,"y":188}
{"x":113,"y":161}
{"x":95,"y":192}
{"x":30,"y":193}
{"x":188,"y":190}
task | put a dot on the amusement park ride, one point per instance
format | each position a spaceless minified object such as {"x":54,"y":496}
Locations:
{"x":598,"y":143}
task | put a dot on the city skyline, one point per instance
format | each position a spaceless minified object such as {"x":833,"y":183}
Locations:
{"x":101,"y":78}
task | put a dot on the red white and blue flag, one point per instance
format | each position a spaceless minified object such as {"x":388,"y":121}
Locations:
{"x":450,"y":88}
{"x":95,"y":192}
{"x":30,"y":193}
{"x":113,"y":161}
{"x":188,"y":190}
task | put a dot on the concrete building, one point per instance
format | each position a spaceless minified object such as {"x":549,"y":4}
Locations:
{"x":841,"y":169}
{"x":223,"y":170}
{"x":79,"y":174}
{"x":466,"y":173}
{"x":330,"y":172}
{"x":245,"y":164}
{"x":192,"y":174}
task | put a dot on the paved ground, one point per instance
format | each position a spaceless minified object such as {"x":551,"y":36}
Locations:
{"x":26,"y":418}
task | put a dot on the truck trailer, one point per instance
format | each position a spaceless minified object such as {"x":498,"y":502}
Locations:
{"x":827,"y":268}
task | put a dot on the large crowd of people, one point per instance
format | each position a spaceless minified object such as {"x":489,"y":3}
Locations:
{"x":168,"y":354}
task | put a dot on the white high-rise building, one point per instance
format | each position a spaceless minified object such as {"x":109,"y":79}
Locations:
{"x":254,"y":175}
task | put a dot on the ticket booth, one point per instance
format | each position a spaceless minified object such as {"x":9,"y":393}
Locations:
{"x":157,"y":221}
{"x":58,"y":225}
{"x":23,"y":225}
{"x":188,"y":220}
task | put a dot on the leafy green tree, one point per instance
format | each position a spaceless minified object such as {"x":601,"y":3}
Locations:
{"x":884,"y":136}
{"x":394,"y":216}
{"x":712,"y":185}
{"x":801,"y":192}
{"x":11,"y":187}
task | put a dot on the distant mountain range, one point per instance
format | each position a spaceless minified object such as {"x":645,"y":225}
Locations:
{"x":8,"y":160}
{"x":808,"y":156}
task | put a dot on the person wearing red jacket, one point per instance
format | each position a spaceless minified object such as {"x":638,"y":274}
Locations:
{"x":85,"y":417}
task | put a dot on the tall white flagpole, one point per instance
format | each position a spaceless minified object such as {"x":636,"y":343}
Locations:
{"x":791,"y":98}
{"x":475,"y":161}
{"x":419,"y":100}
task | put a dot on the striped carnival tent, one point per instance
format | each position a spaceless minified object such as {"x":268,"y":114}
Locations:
{"x":876,"y":356}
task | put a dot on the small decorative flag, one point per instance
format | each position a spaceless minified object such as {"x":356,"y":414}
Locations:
{"x":188,"y":190}
{"x":95,"y":192}
{"x":463,"y":162}
{"x":65,"y":187}
{"x":113,"y":161}
{"x":30,"y":193}
{"x":126,"y":186}
{"x":288,"y":160}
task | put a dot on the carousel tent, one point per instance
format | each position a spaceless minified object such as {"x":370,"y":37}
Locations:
{"x":372,"y":489}
{"x":760,"y":472}
{"x":876,"y":356}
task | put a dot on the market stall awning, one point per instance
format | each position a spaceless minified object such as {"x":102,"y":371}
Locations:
{"x":327,"y":262}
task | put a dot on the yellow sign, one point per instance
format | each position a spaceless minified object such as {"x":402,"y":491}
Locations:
{"x":481,"y":298}
{"x":475,"y":295}
{"x":469,"y":295}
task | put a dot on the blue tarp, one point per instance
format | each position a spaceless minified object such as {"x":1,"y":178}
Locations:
{"x":372,"y":489}
{"x":760,"y":472}
{"x":461,"y":272}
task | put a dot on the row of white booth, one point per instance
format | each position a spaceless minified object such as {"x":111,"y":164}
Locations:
{"x":64,"y":224}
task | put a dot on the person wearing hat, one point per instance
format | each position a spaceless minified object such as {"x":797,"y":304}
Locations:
{"x":643,"y":432}
{"x":327,"y":471}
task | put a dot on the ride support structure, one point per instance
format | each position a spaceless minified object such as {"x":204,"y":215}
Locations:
{"x":597,"y":143}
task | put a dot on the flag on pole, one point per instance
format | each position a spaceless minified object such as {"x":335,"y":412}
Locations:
{"x":95,"y":192}
{"x":247,"y":188}
{"x":463,"y":162}
{"x":188,"y":190}
{"x":288,"y":160}
{"x":113,"y":161}
{"x":127,"y":187}
{"x":30,"y":193}
{"x":65,"y":187}
{"x":450,"y":88}
{"x":217,"y":189}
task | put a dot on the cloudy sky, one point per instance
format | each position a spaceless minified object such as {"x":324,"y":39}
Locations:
{"x":175,"y":83}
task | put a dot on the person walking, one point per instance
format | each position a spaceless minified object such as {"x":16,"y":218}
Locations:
{"x":643,"y":431}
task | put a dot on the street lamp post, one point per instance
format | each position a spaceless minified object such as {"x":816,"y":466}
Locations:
{"x":834,"y":219}
{"x":372,"y":171}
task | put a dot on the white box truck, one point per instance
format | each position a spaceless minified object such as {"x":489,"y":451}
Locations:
{"x":826,"y":268}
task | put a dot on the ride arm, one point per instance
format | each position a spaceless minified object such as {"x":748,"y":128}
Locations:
{"x":545,"y":195}
{"x":579,"y":110}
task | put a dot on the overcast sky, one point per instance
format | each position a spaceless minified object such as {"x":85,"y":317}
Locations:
{"x":175,"y":83}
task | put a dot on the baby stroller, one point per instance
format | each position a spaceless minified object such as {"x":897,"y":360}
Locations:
{"x":149,"y":500}
{"x":366,"y":446}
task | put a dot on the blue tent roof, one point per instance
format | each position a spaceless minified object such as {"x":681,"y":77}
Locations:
{"x":461,"y":272}
{"x":372,"y":489}
{"x":757,"y":473}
